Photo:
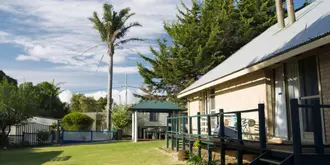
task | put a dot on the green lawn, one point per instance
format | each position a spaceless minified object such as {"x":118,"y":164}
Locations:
{"x":119,"y":153}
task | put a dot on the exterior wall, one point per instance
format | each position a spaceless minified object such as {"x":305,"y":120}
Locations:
{"x":324,"y":64}
{"x":193,"y":108}
{"x":143,"y":120}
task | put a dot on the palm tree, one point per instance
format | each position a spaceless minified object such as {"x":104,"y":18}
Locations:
{"x":112,"y":30}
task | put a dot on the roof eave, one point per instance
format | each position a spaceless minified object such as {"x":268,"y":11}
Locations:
{"x":314,"y":43}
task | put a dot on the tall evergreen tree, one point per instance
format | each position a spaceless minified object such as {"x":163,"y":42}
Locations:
{"x":204,"y":36}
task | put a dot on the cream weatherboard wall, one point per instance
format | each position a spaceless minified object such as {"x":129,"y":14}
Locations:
{"x":193,"y":108}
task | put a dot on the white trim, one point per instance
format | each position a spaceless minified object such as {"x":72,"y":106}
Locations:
{"x":274,"y":60}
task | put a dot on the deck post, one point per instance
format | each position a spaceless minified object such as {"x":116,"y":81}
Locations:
{"x":190,"y":133}
{"x":296,"y":136}
{"x":172,"y":132}
{"x":183,"y":133}
{"x":177,"y":140}
{"x":166,"y":133}
{"x":209,"y":153}
{"x":222,"y":141}
{"x":262,"y":127}
{"x":208,"y":126}
{"x":317,"y":123}
{"x":133,"y":126}
{"x":239,"y":137}
{"x":199,"y":152}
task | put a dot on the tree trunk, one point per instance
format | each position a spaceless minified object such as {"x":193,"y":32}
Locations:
{"x":109,"y":98}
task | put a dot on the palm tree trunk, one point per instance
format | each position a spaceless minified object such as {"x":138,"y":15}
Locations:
{"x":109,"y":98}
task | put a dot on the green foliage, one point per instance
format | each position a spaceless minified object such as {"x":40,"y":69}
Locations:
{"x":77,"y":121}
{"x":82,"y":103}
{"x":197,"y":144}
{"x":206,"y":34}
{"x":48,"y":97}
{"x":17,"y":104}
{"x":194,"y":159}
{"x":42,"y":136}
{"x":121,"y":117}
{"x":10,"y":80}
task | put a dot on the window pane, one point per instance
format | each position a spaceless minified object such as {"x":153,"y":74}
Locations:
{"x":308,"y":77}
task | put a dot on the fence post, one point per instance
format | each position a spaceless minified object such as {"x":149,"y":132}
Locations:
{"x":23,"y":137}
{"x":199,"y":153}
{"x":262,"y":127}
{"x":296,"y":136}
{"x":239,"y":137}
{"x":177,"y":140}
{"x":222,"y":135}
{"x":166,"y":133}
{"x":91,"y":135}
{"x":317,"y":123}
{"x":190,"y":134}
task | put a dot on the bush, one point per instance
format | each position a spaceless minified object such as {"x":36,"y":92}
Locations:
{"x":77,"y":121}
{"x":42,"y":137}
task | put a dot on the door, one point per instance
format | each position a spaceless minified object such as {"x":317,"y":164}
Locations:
{"x":309,"y":91}
{"x":281,"y":129}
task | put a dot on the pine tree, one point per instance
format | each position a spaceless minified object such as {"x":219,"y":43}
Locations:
{"x":204,"y":36}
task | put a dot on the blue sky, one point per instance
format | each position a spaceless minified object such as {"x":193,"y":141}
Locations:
{"x":41,"y":40}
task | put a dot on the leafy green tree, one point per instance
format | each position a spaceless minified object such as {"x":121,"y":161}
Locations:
{"x":121,"y":117}
{"x":113,"y":29}
{"x":17,"y":104}
{"x":50,"y":104}
{"x":82,"y":103}
{"x":203,"y":37}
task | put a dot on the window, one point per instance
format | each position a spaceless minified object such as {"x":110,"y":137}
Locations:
{"x":308,"y":88}
{"x":212,"y":99}
{"x":153,"y":116}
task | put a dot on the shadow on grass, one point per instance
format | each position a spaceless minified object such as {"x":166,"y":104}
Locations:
{"x":30,"y":157}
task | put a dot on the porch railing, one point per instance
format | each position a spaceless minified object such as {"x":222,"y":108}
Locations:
{"x":317,"y":128}
{"x":178,"y":130}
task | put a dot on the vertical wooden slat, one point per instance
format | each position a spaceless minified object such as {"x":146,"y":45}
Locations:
{"x":296,"y":136}
{"x":177,"y":140}
{"x":172,"y":133}
{"x":262,"y":127}
{"x":239,"y":137}
{"x":222,"y":141}
{"x":317,"y":123}
{"x":199,"y":153}
{"x":183,"y":133}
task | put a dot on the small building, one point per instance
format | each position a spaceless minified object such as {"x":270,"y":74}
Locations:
{"x":149,"y":118}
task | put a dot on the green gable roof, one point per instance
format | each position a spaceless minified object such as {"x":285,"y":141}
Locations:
{"x":153,"y":106}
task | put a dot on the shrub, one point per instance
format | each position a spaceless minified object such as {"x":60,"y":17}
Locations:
{"x":77,"y":121}
{"x":42,"y":136}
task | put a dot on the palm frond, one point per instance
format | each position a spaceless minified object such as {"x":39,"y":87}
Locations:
{"x":127,"y":40}
{"x":125,"y":29}
{"x":98,"y":24}
{"x":107,"y":9}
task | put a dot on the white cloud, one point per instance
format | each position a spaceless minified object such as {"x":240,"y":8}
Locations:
{"x":66,"y":31}
{"x":66,"y":96}
{"x":97,"y":95}
{"x":25,"y":57}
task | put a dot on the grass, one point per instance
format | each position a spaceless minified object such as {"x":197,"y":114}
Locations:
{"x":119,"y":153}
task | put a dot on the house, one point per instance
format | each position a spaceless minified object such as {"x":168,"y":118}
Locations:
{"x":278,"y":65}
{"x":149,"y":118}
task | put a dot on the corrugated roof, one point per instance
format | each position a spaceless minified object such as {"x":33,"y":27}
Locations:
{"x":153,"y":106}
{"x":312,"y":22}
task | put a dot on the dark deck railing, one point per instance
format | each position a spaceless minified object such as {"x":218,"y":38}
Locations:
{"x":175,"y":131}
{"x":317,"y":128}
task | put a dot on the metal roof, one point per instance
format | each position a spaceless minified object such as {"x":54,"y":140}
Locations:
{"x":153,"y":106}
{"x":312,"y":22}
